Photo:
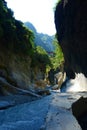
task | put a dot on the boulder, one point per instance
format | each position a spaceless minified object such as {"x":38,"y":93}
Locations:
{"x":79,"y":109}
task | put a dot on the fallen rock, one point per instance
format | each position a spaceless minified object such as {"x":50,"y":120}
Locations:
{"x":79,"y":109}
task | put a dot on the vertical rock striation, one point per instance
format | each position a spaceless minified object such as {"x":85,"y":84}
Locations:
{"x":71,"y":26}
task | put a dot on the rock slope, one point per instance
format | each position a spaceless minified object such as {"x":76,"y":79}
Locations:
{"x":52,"y":112}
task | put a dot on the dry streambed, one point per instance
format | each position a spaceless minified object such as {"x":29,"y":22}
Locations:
{"x":48,"y":113}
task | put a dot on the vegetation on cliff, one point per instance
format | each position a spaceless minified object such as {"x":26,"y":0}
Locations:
{"x":47,"y":48}
{"x":58,"y":58}
{"x":13,"y":35}
{"x":16,"y":38}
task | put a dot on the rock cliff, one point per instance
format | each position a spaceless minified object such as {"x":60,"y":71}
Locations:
{"x":16,"y":73}
{"x":20,"y":63}
{"x":71,"y":26}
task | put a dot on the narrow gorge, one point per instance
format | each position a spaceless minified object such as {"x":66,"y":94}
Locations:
{"x":43,"y":79}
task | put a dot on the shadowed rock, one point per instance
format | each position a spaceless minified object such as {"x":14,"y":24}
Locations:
{"x":79,"y":109}
{"x":71,"y":26}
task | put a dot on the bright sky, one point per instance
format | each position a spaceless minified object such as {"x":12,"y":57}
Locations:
{"x":39,"y":12}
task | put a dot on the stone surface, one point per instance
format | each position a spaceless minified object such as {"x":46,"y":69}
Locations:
{"x":16,"y":69}
{"x":60,"y":116}
{"x":5,"y":104}
{"x":53,"y":112}
{"x":79,"y":109}
{"x":30,"y":115}
{"x":71,"y":26}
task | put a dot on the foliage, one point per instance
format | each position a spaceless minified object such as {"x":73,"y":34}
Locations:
{"x":13,"y":34}
{"x":15,"y":37}
{"x":40,"y":58}
{"x":58,"y":58}
{"x":43,"y":40}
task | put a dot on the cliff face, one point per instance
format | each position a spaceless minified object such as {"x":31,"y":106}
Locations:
{"x":71,"y":26}
{"x":20,"y":64}
{"x":16,"y":73}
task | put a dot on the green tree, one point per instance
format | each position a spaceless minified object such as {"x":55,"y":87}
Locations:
{"x":40,"y":58}
{"x":13,"y":34}
{"x":58,"y":58}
